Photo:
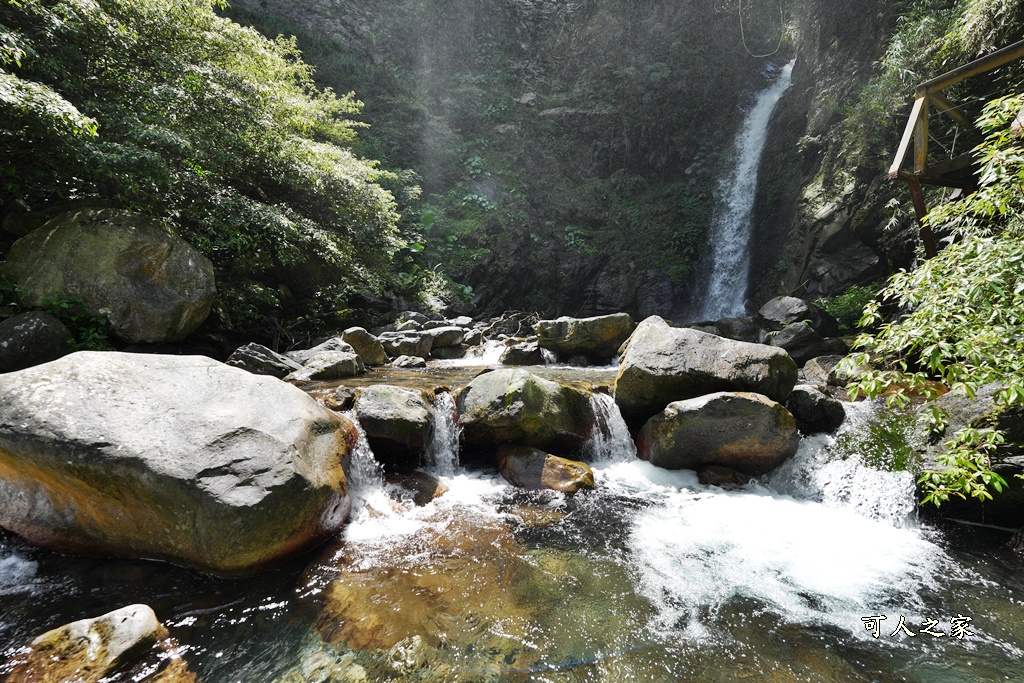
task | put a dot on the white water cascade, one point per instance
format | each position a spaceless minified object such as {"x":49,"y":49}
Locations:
{"x":365,"y":473}
{"x":731,"y":229}
{"x":442,"y":453}
{"x":610,"y":440}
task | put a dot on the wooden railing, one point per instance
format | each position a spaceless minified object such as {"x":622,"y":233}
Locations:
{"x":950,"y":173}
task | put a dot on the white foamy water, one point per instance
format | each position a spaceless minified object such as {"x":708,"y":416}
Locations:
{"x":489,"y":353}
{"x":365,"y":473}
{"x":731,"y":229}
{"x":610,"y":440}
{"x":16,"y":572}
{"x":442,"y":452}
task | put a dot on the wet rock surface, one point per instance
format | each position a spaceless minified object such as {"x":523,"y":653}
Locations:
{"x":180,"y":458}
{"x":531,"y":468}
{"x":744,"y":431}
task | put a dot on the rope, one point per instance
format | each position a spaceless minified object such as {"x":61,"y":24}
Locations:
{"x":782,"y":31}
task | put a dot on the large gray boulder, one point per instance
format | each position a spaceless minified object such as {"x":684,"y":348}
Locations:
{"x":149,"y":283}
{"x":329,"y":365}
{"x":596,"y":338}
{"x":514,"y":406}
{"x":369,"y":348}
{"x":179,"y":458}
{"x":744,"y":431}
{"x":444,"y":337}
{"x":304,"y":356}
{"x":397,"y":422}
{"x":407,"y":344}
{"x":32,"y":338}
{"x":661,"y":364}
{"x":524,"y":353}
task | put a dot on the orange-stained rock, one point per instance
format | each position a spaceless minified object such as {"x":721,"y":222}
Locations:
{"x":179,"y":458}
{"x":530,"y":468}
{"x":129,"y":641}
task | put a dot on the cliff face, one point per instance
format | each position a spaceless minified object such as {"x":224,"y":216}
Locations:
{"x":570,"y":152}
{"x":821,"y":223}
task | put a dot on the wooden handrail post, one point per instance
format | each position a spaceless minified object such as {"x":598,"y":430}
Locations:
{"x":921,"y":209}
{"x":921,"y":139}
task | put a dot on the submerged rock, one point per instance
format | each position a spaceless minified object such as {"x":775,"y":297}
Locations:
{"x":744,"y":431}
{"x":31,"y":339}
{"x":530,"y":468}
{"x":179,"y":458}
{"x":514,"y":406}
{"x":397,"y":422}
{"x":597,"y":338}
{"x":260,"y":360}
{"x":150,"y":284}
{"x":814,"y":411}
{"x":129,"y":642}
{"x":662,"y":364}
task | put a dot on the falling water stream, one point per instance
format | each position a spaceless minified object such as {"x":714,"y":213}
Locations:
{"x":650,"y":577}
{"x":732,"y":226}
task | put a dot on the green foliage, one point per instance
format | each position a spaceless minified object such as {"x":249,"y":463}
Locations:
{"x":90,"y":332}
{"x":165,"y":108}
{"x":963,"y":311}
{"x":848,"y":308}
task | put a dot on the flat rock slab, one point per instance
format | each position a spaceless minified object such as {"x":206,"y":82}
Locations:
{"x":747,"y":432}
{"x":179,"y":458}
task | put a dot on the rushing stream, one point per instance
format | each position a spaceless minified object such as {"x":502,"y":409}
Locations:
{"x":650,"y":577}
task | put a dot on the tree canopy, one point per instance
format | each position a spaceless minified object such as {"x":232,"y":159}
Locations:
{"x":166,"y":108}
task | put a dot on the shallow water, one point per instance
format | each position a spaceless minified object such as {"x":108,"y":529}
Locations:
{"x":651,"y":577}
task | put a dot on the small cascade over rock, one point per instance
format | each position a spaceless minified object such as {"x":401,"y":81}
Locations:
{"x":442,"y":454}
{"x":365,"y":473}
{"x":549,"y":357}
{"x":731,"y":230}
{"x":610,"y":440}
{"x":820,"y":473}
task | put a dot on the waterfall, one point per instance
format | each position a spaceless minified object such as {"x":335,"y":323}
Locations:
{"x":442,"y":453}
{"x":610,"y":440}
{"x":732,"y":226}
{"x":365,"y":472}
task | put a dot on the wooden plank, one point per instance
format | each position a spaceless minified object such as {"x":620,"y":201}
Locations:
{"x":908,"y":135}
{"x":921,"y":141}
{"x":946,"y":107}
{"x":992,"y":61}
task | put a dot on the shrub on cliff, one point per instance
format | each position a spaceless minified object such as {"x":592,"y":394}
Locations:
{"x":963,"y":311}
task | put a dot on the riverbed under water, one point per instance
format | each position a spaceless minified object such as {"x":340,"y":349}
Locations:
{"x":650,"y":577}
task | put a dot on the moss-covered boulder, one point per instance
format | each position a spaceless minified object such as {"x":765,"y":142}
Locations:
{"x":662,"y":364}
{"x":179,"y":458}
{"x":596,"y":338}
{"x":149,"y":283}
{"x":514,"y":406}
{"x":747,"y":432}
{"x":531,"y":468}
{"x":129,"y":642}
